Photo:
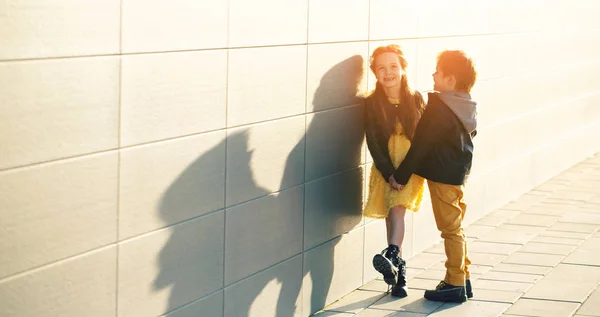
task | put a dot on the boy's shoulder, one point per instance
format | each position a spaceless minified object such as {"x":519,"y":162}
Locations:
{"x":434,"y":102}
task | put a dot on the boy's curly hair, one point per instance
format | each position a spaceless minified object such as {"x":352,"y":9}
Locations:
{"x":459,"y":65}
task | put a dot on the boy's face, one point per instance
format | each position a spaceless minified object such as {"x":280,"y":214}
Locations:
{"x":443,"y":83}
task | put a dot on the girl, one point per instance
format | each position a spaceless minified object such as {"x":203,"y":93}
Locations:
{"x":391,"y":116}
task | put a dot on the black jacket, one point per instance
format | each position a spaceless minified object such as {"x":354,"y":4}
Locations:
{"x":377,"y":137}
{"x":442,"y":148}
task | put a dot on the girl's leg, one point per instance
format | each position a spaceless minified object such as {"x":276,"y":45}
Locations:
{"x":388,"y":227}
{"x":396,"y":226}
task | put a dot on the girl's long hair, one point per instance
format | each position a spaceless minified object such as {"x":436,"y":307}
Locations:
{"x":412,"y":104}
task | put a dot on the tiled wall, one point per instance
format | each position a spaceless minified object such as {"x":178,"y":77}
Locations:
{"x":205,"y":158}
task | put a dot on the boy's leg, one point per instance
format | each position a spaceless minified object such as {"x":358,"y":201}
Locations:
{"x":445,"y":200}
{"x":463,"y":207}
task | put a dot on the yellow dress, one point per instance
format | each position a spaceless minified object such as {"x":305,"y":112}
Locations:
{"x":381,"y":196}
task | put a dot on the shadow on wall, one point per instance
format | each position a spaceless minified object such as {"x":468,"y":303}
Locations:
{"x":191,"y":262}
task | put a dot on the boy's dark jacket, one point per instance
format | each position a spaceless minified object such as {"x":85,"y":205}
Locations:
{"x":442,"y":147}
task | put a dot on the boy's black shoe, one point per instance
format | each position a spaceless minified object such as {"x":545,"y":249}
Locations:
{"x":386,"y":267}
{"x":469,"y":289}
{"x":447,"y":293}
{"x":400,"y":289}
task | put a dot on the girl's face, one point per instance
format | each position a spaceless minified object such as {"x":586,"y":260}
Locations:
{"x":388,"y":70}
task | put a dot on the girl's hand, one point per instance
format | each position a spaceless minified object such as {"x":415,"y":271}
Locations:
{"x":395,"y":184}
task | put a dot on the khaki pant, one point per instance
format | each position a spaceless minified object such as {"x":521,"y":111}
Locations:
{"x":449,"y":211}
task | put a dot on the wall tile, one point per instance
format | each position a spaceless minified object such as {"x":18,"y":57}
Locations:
{"x":265,"y":84}
{"x":171,"y":95}
{"x":192,"y":24}
{"x":272,"y":292}
{"x":393,"y":19}
{"x":81,"y":286}
{"x":338,"y":20}
{"x":169,"y":182}
{"x":375,"y":242}
{"x":336,"y":75}
{"x":56,"y":210}
{"x":267,"y":22}
{"x":53,"y":109}
{"x":269,"y":158}
{"x":169,"y":268}
{"x":323,"y":284}
{"x":277,"y":218}
{"x":333,"y":206}
{"x":35,"y":29}
{"x":210,"y":306}
{"x":439,"y":18}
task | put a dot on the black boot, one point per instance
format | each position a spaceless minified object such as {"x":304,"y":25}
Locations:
{"x":384,"y":264}
{"x":400,"y":289}
{"x":469,"y":289}
{"x":447,"y":293}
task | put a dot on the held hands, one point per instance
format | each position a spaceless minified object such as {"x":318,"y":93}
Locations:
{"x":395,"y":184}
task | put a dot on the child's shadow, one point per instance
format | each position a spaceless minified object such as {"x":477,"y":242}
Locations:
{"x":334,"y":203}
{"x":334,"y":209}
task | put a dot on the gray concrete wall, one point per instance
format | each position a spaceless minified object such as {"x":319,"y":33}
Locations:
{"x":206,"y":158}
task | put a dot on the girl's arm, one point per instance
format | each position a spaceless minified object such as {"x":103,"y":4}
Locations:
{"x":375,"y":137}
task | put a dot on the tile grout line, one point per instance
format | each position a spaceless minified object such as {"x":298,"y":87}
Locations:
{"x":119,"y":141}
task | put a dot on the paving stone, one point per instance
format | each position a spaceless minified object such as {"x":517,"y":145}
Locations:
{"x":547,"y":248}
{"x":511,"y":277}
{"x":424,"y":260}
{"x":420,"y":284}
{"x":491,"y":247}
{"x":534,"y":259}
{"x":386,"y":313}
{"x":533,"y":220}
{"x":561,"y":202}
{"x":563,"y":234}
{"x":523,"y":269}
{"x":495,"y":295}
{"x":574,"y":227}
{"x":375,"y":285}
{"x":591,"y":306}
{"x":437,"y":248}
{"x":590,"y":207}
{"x":567,"y":283}
{"x":471,"y":308}
{"x":581,"y":217}
{"x":539,"y":308}
{"x":433,"y":274}
{"x":473,"y":268}
{"x":412,"y":273}
{"x":547,"y":210}
{"x":583,"y":257}
{"x":497,"y":217}
{"x":477,"y":231}
{"x":355,"y":301}
{"x":577,"y":195}
{"x":485,"y":259}
{"x":552,"y":186}
{"x":503,"y":286}
{"x":512,"y":234}
{"x":414,"y":302}
{"x":332,"y":314}
{"x":555,"y":240}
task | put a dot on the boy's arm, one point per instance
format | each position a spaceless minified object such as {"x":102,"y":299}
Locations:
{"x":426,"y":135}
{"x":381,"y":159}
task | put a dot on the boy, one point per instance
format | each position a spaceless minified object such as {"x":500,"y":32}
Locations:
{"x":442,"y":152}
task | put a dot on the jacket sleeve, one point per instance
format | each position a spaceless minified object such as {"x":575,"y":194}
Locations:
{"x":375,"y":138}
{"x":426,"y":135}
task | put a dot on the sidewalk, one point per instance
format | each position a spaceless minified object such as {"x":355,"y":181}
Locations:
{"x":537,"y":256}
